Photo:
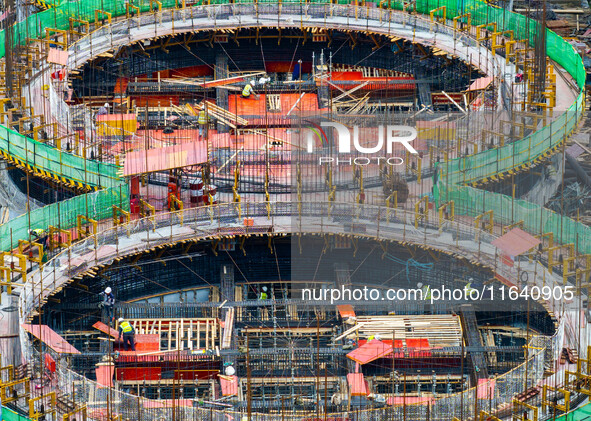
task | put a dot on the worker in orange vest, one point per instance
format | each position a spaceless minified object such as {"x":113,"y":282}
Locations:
{"x":172,"y":191}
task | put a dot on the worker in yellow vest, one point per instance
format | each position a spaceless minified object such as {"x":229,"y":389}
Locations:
{"x":128,"y":333}
{"x":40,"y":236}
{"x":248,"y":89}
{"x":425,"y":290}
{"x":468,"y":288}
{"x":202,"y":120}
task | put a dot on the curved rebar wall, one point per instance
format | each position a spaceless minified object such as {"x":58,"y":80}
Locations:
{"x":451,"y":178}
{"x":206,"y":223}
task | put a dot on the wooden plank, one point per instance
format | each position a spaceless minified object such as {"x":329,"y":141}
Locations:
{"x":350,"y":91}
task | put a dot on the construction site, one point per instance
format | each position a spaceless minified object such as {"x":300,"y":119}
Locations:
{"x":313,"y":210}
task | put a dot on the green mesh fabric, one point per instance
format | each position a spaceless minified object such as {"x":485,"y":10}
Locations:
{"x":54,"y":161}
{"x":451,"y":177}
{"x":536,"y":219}
{"x":97,"y":205}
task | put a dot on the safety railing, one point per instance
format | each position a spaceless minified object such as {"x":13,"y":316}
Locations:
{"x":284,"y":218}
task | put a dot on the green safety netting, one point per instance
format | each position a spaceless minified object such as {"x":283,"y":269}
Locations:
{"x":97,"y":205}
{"x":579,"y":414}
{"x":471,"y":201}
{"x":62,"y":214}
{"x":450,"y":176}
{"x":10,"y":415}
{"x":55,"y":161}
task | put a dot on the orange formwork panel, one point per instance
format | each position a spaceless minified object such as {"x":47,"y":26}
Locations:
{"x":370,"y":351}
{"x":398,"y":344}
{"x":46,"y":335}
{"x":346,"y":311}
{"x":418,"y":347}
{"x":257,"y":107}
{"x":169,"y":157}
{"x":104,"y":374}
{"x":116,"y":124}
{"x":229,"y":385}
{"x":147,"y":342}
{"x":357,"y":384}
{"x":516,"y":242}
{"x":106,"y":329}
{"x":143,"y":342}
{"x":138,"y":373}
{"x":378,"y":82}
{"x":121,"y":85}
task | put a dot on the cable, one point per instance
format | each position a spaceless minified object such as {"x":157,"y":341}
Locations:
{"x":425,"y":267}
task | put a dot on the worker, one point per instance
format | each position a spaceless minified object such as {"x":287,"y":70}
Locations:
{"x":202,"y":120}
{"x":297,"y":71}
{"x":425,"y":290}
{"x":229,"y":369}
{"x":264,"y":80}
{"x":103,"y":110}
{"x":128,"y":334}
{"x":263,"y":295}
{"x":469,"y":288}
{"x":248,"y":89}
{"x":172,"y":191}
{"x":108,"y":303}
{"x":40,"y":236}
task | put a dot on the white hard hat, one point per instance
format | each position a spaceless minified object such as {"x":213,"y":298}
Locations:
{"x":107,"y":290}
{"x":419,"y":285}
{"x":230,"y":370}
{"x":106,"y":105}
{"x":265,"y":289}
{"x":252,"y":83}
{"x":120,"y":319}
{"x":378,"y":337}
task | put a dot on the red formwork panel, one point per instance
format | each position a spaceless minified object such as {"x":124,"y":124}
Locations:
{"x":418,"y":347}
{"x":138,"y":373}
{"x":147,"y":343}
{"x":50,"y":338}
{"x":398,"y":344}
{"x":49,"y":363}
